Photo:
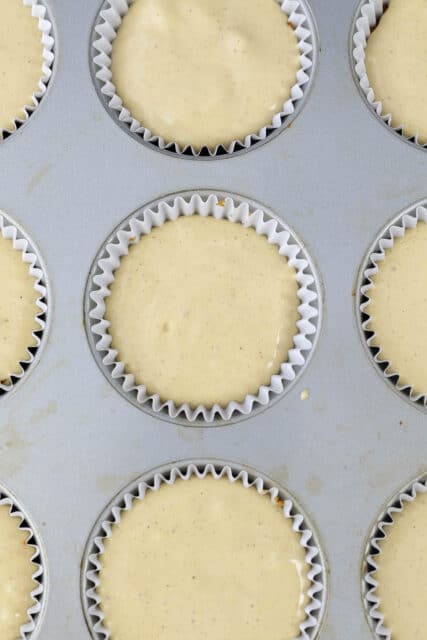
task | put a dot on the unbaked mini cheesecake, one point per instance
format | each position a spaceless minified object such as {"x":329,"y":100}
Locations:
{"x":21,"y":60}
{"x":396,"y":62}
{"x":16,"y":571}
{"x":204,"y":72}
{"x":203,"y":311}
{"x":203,"y":558}
{"x":18,"y":310}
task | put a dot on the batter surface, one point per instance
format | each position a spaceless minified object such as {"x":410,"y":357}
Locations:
{"x":203,"y":311}
{"x":21,"y":59}
{"x":16,"y":570}
{"x":396,"y":63}
{"x":398,"y":308}
{"x":204,"y":559}
{"x":18,"y":310}
{"x":402,"y":572}
{"x":205,"y":72}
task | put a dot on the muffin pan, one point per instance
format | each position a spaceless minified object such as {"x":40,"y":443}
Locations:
{"x":339,"y":439}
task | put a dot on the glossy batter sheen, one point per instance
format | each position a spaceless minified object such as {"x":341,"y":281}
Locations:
{"x":21,"y":59}
{"x":18,"y":310}
{"x":398,"y":308}
{"x":203,"y":311}
{"x":396,"y":63}
{"x":402,"y":572}
{"x":204,"y":559}
{"x":205,"y":72}
{"x":16,"y":570}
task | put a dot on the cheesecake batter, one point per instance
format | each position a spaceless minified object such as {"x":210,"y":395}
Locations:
{"x":205,"y":72}
{"x":396,"y":63}
{"x":398,"y":308}
{"x":16,"y":570}
{"x":21,"y":59}
{"x":203,"y":311}
{"x":402,"y":572}
{"x":204,"y":559}
{"x":18,"y":310}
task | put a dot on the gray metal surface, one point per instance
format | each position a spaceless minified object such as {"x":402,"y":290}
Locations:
{"x":69,"y":441}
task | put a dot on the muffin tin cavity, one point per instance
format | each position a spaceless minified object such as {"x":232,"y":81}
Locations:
{"x":222,"y":207}
{"x":399,"y":381}
{"x":106,"y":28}
{"x":21,"y":243}
{"x":40,"y":13}
{"x":145,"y":488}
{"x":366,"y":20}
{"x":395,"y":553}
{"x":30,"y":629}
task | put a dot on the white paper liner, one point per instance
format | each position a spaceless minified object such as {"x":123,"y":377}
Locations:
{"x":38,"y":594}
{"x":370,"y":13}
{"x":92,"y":564}
{"x":105,"y":31}
{"x":396,"y":229}
{"x":29,"y":255}
{"x":373,"y":550}
{"x":131,"y":230}
{"x":39,"y":11}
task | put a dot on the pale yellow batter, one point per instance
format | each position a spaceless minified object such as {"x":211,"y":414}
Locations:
{"x":396,"y":63}
{"x":203,"y":311}
{"x":204,"y":559}
{"x":398,"y":308}
{"x":18,"y":310}
{"x":21,"y":59}
{"x":402,"y":572}
{"x":205,"y":72}
{"x":16,"y":570}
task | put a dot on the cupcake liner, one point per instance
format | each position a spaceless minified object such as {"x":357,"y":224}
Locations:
{"x":10,"y":231}
{"x":39,"y":11}
{"x":105,"y":30}
{"x":408,"y":219}
{"x":371,"y":600}
{"x":367,"y":18}
{"x":168,"y":474}
{"x":30,"y":629}
{"x":218,"y":206}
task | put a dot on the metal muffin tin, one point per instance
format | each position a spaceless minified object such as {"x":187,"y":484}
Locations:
{"x":69,"y":441}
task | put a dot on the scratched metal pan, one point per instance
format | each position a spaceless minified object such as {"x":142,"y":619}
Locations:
{"x":69,"y":441}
